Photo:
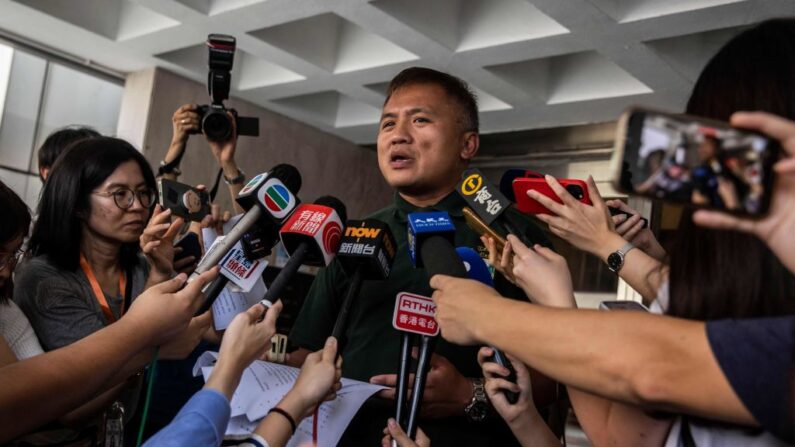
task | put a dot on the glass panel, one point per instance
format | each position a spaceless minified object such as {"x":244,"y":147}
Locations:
{"x":21,"y":109}
{"x":75,"y":98}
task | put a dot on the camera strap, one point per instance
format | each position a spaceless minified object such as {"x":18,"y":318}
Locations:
{"x":217,"y":183}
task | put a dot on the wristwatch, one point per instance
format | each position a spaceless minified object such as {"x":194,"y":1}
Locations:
{"x":478,"y":408}
{"x":616,"y":259}
{"x":238,"y":180}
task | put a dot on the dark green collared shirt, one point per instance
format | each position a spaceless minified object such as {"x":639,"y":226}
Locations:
{"x":372,"y":343}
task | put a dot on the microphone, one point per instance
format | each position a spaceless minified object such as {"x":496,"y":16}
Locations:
{"x":430,"y":238}
{"x":366,"y":252}
{"x":479,"y":271}
{"x":488,"y":203}
{"x":310,"y":236}
{"x":269,"y":199}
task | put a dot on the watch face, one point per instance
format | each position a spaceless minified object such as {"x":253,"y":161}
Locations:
{"x":614,"y":262}
{"x":477,"y":411}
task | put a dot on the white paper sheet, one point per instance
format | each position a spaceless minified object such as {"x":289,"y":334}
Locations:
{"x":231,"y":301}
{"x":264,"y":384}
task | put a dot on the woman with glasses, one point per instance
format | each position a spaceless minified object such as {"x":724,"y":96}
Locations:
{"x":15,"y":330}
{"x":97,"y":244}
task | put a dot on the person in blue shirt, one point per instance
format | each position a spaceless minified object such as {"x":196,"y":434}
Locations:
{"x":202,"y":421}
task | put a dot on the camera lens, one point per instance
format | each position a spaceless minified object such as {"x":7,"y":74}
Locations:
{"x":216,"y":125}
{"x":576,"y":191}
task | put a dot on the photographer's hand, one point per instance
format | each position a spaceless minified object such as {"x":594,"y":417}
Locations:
{"x":184,"y":122}
{"x":224,"y":153}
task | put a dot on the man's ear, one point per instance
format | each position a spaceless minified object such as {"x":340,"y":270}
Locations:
{"x":470,"y":146}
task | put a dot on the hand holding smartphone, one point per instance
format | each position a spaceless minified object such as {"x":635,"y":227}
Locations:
{"x":694,"y":161}
{"x":183,"y":200}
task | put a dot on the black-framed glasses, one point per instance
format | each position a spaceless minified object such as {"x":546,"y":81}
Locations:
{"x":9,"y":260}
{"x":124,"y":197}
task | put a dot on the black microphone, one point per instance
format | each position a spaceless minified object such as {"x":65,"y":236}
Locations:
{"x":366,"y":252}
{"x":311,"y":236}
{"x":269,"y":199}
{"x":431,"y":237}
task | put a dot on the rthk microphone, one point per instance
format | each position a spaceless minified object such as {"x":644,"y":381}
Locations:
{"x":479,"y":271}
{"x":311,"y":236}
{"x":431,"y":238}
{"x":366,"y":252}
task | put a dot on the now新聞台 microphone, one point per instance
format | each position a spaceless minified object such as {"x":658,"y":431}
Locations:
{"x":269,"y":199}
{"x":431,"y":239}
{"x":366,"y":252}
{"x":478,"y":270}
{"x":310,"y":236}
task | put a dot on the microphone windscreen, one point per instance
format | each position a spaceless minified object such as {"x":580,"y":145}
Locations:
{"x":289,"y":176}
{"x":475,"y":265}
{"x":439,"y":257}
{"x":335,"y":204}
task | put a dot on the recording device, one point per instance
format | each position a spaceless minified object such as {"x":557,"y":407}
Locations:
{"x":479,"y":271}
{"x":183,"y":200}
{"x":268,"y":200}
{"x":478,"y":226}
{"x":215,"y":120}
{"x":693,"y":161}
{"x":311,"y":236}
{"x":366,"y":252}
{"x":430,"y":239}
{"x":189,"y":243}
{"x":622,"y":305}
{"x":506,"y":187}
{"x":577,"y":188}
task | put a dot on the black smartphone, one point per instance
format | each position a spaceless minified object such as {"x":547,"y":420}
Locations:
{"x":183,"y":200}
{"x":189,"y":243}
{"x":695,"y":161}
{"x":622,"y":305}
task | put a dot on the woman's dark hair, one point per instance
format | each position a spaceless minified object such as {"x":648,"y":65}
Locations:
{"x":65,"y":199}
{"x":728,"y":274}
{"x":14,"y":224}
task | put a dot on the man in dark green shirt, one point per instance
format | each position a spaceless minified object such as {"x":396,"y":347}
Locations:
{"x":428,"y":133}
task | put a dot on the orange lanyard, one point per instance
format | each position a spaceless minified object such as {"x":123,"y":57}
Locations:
{"x":100,"y":296}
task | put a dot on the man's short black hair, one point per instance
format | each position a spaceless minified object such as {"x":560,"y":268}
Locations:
{"x":456,"y":88}
{"x":59,"y":140}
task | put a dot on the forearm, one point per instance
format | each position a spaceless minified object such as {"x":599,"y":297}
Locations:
{"x":224,"y":379}
{"x":275,"y":428}
{"x":175,"y":149}
{"x":654,"y":361}
{"x":89,"y":411}
{"x":642,"y":272}
{"x":532,"y":431}
{"x":64,"y":378}
{"x":607,"y":422}
{"x":231,"y":171}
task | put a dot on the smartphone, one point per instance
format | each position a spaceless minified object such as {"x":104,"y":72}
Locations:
{"x":183,"y":200}
{"x":622,"y":305}
{"x":576,"y":188}
{"x":694,"y":161}
{"x":480,"y":227}
{"x":190,"y":247}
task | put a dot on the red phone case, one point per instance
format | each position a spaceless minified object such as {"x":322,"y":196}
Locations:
{"x":532,"y":206}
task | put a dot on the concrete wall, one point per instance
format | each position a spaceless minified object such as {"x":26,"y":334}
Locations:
{"x":328,"y":164}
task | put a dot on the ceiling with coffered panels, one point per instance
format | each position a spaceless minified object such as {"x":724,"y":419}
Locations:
{"x":533,"y":63}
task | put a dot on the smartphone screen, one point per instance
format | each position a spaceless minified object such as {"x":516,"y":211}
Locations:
{"x":705,"y":163}
{"x":622,"y":305}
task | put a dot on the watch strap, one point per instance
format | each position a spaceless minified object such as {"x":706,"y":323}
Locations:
{"x":237,"y":180}
{"x":625,"y":249}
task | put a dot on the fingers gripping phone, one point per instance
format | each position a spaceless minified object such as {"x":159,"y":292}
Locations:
{"x":695,"y":161}
{"x":183,"y":200}
{"x":577,"y":188}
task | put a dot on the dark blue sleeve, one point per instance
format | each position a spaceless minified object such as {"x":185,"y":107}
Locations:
{"x":756,"y":357}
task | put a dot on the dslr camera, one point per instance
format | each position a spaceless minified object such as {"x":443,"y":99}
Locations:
{"x":216,"y":121}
